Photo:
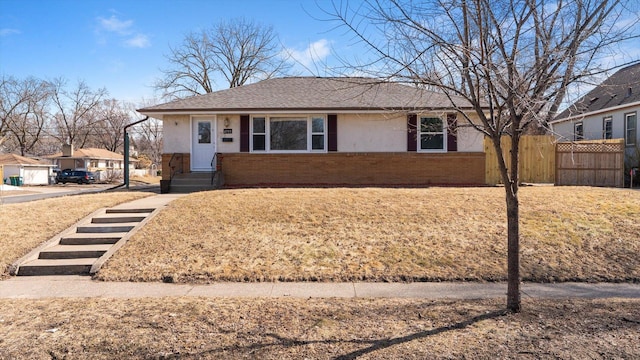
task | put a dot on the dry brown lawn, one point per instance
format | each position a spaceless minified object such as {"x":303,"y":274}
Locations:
{"x":453,"y":234}
{"x":285,"y":328}
{"x":24,"y":226}
{"x":147,"y":179}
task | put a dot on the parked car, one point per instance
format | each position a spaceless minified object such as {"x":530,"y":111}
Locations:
{"x":77,"y":176}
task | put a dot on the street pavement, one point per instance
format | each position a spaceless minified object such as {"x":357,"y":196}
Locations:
{"x":32,"y":193}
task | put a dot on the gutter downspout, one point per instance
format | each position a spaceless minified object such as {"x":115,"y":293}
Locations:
{"x":126,"y":150}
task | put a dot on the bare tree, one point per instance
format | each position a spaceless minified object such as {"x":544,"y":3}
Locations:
{"x":111,"y":117}
{"x":74,"y":108}
{"x":24,"y":111}
{"x":238,"y":50}
{"x":512,"y":60}
{"x":149,"y":140}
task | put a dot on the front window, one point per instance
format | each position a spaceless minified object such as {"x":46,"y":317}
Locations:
{"x":578,"y":131}
{"x":433,"y":134}
{"x":288,"y":134}
{"x":607,"y":128}
{"x":631,"y":129}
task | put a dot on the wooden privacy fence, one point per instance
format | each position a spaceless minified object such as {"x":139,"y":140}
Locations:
{"x":592,"y":163}
{"x":537,"y":159}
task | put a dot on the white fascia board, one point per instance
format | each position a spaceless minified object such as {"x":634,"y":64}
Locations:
{"x":601,"y":111}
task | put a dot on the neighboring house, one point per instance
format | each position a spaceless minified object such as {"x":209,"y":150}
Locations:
{"x":103,"y":162}
{"x":609,"y":111}
{"x":322,"y":131}
{"x":32,"y":172}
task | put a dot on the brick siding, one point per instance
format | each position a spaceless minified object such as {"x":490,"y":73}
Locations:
{"x":413,"y":169}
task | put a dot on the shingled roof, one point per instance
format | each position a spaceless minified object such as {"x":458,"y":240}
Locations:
{"x":620,"y":89}
{"x":14,"y":159}
{"x":89,"y":153}
{"x":312,"y":94}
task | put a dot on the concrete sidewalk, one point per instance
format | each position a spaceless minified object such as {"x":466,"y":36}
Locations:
{"x":84,"y":287}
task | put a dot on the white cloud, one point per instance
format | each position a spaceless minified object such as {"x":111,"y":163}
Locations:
{"x":138,"y":41}
{"x":123,"y":29}
{"x":7,"y":32}
{"x":314,"y":53}
{"x":113,"y":24}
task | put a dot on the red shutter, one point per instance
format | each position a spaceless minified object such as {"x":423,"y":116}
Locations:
{"x":452,"y":132}
{"x":332,"y":132}
{"x":412,"y":132}
{"x":244,"y":133}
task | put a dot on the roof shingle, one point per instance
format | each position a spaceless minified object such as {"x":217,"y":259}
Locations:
{"x":621,"y":88}
{"x":313,"y":93}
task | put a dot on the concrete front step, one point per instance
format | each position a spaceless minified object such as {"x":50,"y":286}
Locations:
{"x":106,"y":228}
{"x":185,"y":189}
{"x":80,"y":266}
{"x":91,"y":239}
{"x":74,"y":251}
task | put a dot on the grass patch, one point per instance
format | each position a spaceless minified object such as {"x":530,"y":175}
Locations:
{"x":191,"y":328}
{"x":24,"y":226}
{"x":146,"y":179}
{"x":567,"y":234}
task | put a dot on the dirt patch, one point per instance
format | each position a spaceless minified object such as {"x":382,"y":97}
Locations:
{"x":191,"y":328}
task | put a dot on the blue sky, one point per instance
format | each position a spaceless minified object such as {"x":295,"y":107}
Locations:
{"x":120,"y":45}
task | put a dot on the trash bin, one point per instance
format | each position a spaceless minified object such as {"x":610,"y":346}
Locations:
{"x":13,"y":179}
{"x":19,"y":181}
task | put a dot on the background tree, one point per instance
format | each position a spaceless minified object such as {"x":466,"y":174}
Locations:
{"x":27,"y":123}
{"x":237,"y":50}
{"x":148,"y":140}
{"x":74,"y":110}
{"x":111,"y":117}
{"x":512,"y":60}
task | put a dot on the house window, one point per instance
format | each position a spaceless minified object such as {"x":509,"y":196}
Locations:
{"x":259,"y":134}
{"x":630,"y":129}
{"x":432,"y":134}
{"x":317,"y":133}
{"x":288,"y":134}
{"x":578,"y":131}
{"x":93,"y":163}
{"x":607,"y":128}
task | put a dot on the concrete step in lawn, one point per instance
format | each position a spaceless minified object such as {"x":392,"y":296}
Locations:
{"x":77,"y":250}
{"x":74,"y":251}
{"x":40,"y":267}
{"x":91,"y":238}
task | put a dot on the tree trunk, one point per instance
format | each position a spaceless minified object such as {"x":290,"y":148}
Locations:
{"x":513,"y":226}
{"x":513,"y":249}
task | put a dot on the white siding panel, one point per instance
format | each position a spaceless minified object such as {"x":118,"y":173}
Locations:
{"x":470,"y":139}
{"x":176,"y":131}
{"x":372,"y":133}
{"x":234,"y":125}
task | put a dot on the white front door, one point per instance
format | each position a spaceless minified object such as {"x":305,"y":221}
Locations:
{"x":203,"y":143}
